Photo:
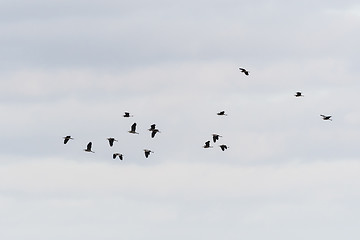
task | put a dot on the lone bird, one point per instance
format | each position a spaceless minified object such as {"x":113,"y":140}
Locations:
{"x":324,"y":117}
{"x":222,"y":113}
{"x":216,"y":137}
{"x":67,"y":138}
{"x":88,"y":148}
{"x":244,"y":71}
{"x":207,"y":145}
{"x":111,"y":141}
{"x":127,"y":114}
{"x":153,"y":130}
{"x":118,"y":155}
{"x":223,"y":147}
{"x":133,"y":129}
{"x":298,"y":94}
{"x":147,"y":152}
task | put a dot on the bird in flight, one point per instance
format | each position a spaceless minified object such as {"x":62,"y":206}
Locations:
{"x":223,"y":147}
{"x":324,"y":117}
{"x":111,"y":141}
{"x":127,"y":114}
{"x":118,"y":155}
{"x":244,"y":71}
{"x":298,"y":94}
{"x":216,"y":137}
{"x":153,"y":130}
{"x":147,"y":152}
{"x":133,"y":129}
{"x":67,"y":138}
{"x":88,"y":148}
{"x":207,"y":145}
{"x":222,"y":113}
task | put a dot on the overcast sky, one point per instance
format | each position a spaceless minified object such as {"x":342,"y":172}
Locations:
{"x":74,"y":67}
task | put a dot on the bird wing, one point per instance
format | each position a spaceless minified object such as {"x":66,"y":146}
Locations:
{"x":66,"y":139}
{"x":153,"y":133}
{"x":133,"y":127}
{"x":147,"y":153}
{"x":88,"y":147}
{"x":152,"y":127}
{"x":114,"y":155}
{"x":121,"y":157}
{"x":111,"y":141}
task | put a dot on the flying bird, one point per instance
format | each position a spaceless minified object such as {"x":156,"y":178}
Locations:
{"x":133,"y":129}
{"x":67,"y":138}
{"x":222,"y":113}
{"x":298,"y":94}
{"x":153,"y":130}
{"x":88,"y":148}
{"x":324,"y":117}
{"x":216,"y":137}
{"x":207,"y":145}
{"x":118,"y":155}
{"x":244,"y":71}
{"x":127,"y":114}
{"x":147,"y":152}
{"x":223,"y":147}
{"x":111,"y":141}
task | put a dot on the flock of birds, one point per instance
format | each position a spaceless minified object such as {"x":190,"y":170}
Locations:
{"x":154,"y":131}
{"x":111,"y":140}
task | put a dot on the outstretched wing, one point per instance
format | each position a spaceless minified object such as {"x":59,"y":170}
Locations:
{"x":133,"y":127}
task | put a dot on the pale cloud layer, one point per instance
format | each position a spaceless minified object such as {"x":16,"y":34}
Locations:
{"x":74,"y":67}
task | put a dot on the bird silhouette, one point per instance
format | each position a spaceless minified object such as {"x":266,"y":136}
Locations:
{"x":222,"y":113}
{"x":207,"y":145}
{"x":215,"y":137}
{"x":298,"y":94}
{"x":88,"y":147}
{"x":127,"y":114}
{"x":324,"y":117}
{"x":244,"y":71}
{"x":118,"y":155}
{"x":223,"y":147}
{"x":133,"y":129}
{"x":147,"y":152}
{"x":67,"y":138}
{"x":111,"y":141}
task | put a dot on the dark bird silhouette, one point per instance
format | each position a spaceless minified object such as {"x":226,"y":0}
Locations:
{"x":67,"y":138}
{"x":126,"y":114}
{"x":216,"y":137}
{"x":223,"y":147}
{"x":207,"y":145}
{"x":153,"y":130}
{"x":111,"y":141}
{"x":88,"y":148}
{"x":222,"y":113}
{"x":298,"y":94}
{"x":118,"y":155}
{"x":147,"y":152}
{"x":133,"y":129}
{"x":244,"y":71}
{"x":324,"y":117}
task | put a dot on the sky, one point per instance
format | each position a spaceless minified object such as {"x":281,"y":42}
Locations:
{"x":74,"y":68}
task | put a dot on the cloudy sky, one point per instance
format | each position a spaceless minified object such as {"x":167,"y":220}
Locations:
{"x":74,"y":67}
